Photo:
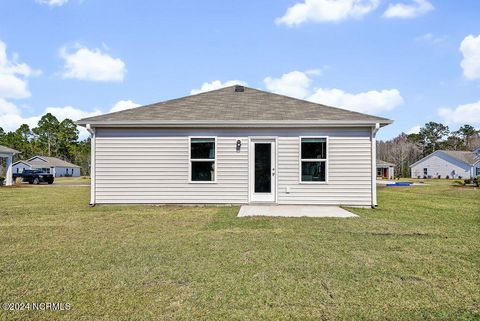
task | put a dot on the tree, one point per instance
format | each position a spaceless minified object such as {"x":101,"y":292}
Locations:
{"x":67,"y":138}
{"x":454,"y":142}
{"x":24,"y":143}
{"x":47,"y":133}
{"x":431,"y":136}
{"x":50,"y":138}
{"x":401,"y":150}
{"x":81,"y":152}
{"x":469,"y":135}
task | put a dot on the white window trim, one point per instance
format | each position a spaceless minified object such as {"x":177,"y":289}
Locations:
{"x":312,"y":160}
{"x":201,"y":160}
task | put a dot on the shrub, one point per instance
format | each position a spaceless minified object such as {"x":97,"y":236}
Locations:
{"x":460,"y":177}
{"x":68,"y":175}
{"x":447,"y":177}
{"x":424,"y":177}
{"x":439,"y":176}
{"x":419,"y":177}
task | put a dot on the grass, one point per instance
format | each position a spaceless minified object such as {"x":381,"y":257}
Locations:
{"x":416,"y":257}
{"x":72,"y":180}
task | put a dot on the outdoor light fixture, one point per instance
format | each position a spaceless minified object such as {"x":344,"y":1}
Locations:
{"x":239,"y":144}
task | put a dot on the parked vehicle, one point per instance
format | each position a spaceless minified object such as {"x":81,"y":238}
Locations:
{"x":34,"y":176}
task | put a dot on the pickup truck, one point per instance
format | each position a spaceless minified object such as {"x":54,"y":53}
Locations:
{"x":35,"y":176}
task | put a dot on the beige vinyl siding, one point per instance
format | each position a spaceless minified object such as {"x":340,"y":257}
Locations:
{"x":349,"y":173}
{"x":152,"y":166}
{"x":155,"y":170}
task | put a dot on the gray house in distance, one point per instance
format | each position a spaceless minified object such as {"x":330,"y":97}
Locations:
{"x":443,"y":163}
{"x":51,"y":165}
{"x":235,"y":145}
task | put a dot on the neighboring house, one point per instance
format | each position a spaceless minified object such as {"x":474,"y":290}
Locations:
{"x":235,"y":145}
{"x":7,"y":153}
{"x":385,"y":169}
{"x":443,"y":163}
{"x":52,"y":165}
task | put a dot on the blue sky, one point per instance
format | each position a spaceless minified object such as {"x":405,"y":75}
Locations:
{"x":413,"y":61}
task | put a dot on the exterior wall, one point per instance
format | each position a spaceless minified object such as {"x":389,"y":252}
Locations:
{"x":152,"y":166}
{"x":61,"y":171}
{"x":18,"y":168}
{"x":441,"y":164}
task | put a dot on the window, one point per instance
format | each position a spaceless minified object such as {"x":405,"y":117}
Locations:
{"x":313,"y":159}
{"x":425,"y":171}
{"x":379,"y":172}
{"x":478,"y":171}
{"x":202,"y":159}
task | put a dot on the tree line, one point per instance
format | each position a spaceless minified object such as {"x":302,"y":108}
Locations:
{"x":406,"y":149}
{"x":60,"y":139}
{"x":50,"y":137}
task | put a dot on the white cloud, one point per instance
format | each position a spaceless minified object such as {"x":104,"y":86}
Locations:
{"x":216,"y":84}
{"x":366,"y":102}
{"x":94,"y":65}
{"x":405,"y":11}
{"x":70,"y":112}
{"x":298,"y":84}
{"x":123,"y":105}
{"x":462,"y":114}
{"x":431,"y":38}
{"x":13,"y":75}
{"x":52,"y":3}
{"x":294,"y":84}
{"x":326,"y":11}
{"x":414,"y":130}
{"x":7,"y":107}
{"x":470,"y":48}
{"x":13,"y":87}
{"x":11,"y":118}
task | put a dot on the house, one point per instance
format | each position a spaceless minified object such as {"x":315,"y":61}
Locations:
{"x":52,"y":165}
{"x":448,"y":164}
{"x":234,"y":145}
{"x":7,"y":153}
{"x":385,"y":169}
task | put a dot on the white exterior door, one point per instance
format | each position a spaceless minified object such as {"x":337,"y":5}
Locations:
{"x":262,"y":170}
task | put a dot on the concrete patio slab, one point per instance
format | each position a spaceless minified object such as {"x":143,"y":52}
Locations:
{"x":294,"y":211}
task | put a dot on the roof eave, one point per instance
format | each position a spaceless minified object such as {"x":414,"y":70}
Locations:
{"x":196,"y":123}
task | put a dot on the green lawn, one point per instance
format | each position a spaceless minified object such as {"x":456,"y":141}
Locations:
{"x":416,"y":257}
{"x":72,"y":180}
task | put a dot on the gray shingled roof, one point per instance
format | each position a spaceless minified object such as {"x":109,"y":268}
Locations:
{"x":466,"y":157}
{"x":7,"y":150}
{"x":383,"y":163}
{"x":49,"y":162}
{"x":227,"y":105}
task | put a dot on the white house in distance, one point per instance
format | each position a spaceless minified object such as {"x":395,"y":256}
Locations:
{"x":8,"y":153}
{"x":52,"y":165}
{"x":234,"y":145}
{"x":385,"y":169}
{"x":443,"y":163}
